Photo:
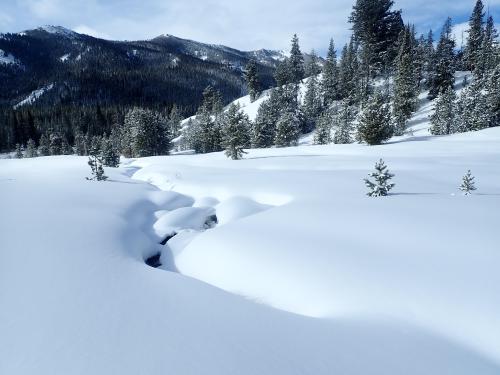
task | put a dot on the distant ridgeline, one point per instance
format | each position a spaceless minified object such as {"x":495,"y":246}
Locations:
{"x":55,"y":79}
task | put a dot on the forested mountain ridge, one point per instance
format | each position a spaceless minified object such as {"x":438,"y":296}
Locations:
{"x":88,"y":70}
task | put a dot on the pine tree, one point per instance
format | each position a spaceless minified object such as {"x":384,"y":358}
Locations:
{"x":31,"y":151}
{"x":375,"y":122}
{"x":174,"y":122}
{"x":323,"y":132}
{"x":66,"y":149}
{"x":475,"y":37}
{"x":296,"y":61}
{"x":252,"y":80}
{"x":381,"y":186}
{"x":330,"y":81}
{"x":55,"y":145}
{"x":235,"y":132}
{"x":19,"y":151}
{"x":468,"y":185}
{"x":376,"y":27}
{"x":349,"y":74}
{"x":147,"y":132}
{"x":312,"y":104}
{"x":264,"y":127}
{"x":474,"y":111}
{"x":444,"y":120}
{"x":287,"y":130}
{"x":282,"y":74}
{"x":96,"y":161}
{"x":80,"y":144}
{"x":109,"y":153}
{"x":312,"y":68}
{"x":430,"y":59}
{"x":344,"y":124}
{"x":44,"y":147}
{"x":405,"y":84}
{"x":487,"y":59}
{"x":443,"y":74}
{"x":493,"y":96}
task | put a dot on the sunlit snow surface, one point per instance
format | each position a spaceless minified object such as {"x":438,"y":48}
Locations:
{"x":303,"y":274}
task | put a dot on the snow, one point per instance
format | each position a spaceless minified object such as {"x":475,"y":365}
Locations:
{"x":65,"y":57}
{"x":303,"y":274}
{"x":33,"y":97}
{"x":58,"y":30}
{"x":7,"y":58}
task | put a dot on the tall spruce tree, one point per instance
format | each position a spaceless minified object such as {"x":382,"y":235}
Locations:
{"x":430,"y":59}
{"x":330,"y":79}
{"x":264,"y":127}
{"x":472,"y":51}
{"x":376,"y":27}
{"x":312,"y":104}
{"x":287,"y":130}
{"x":296,"y":61}
{"x":444,"y":118}
{"x":344,"y":119}
{"x":487,"y":59}
{"x":31,"y":151}
{"x":44,"y":145}
{"x":405,"y":83}
{"x":493,"y":96}
{"x":375,"y":121}
{"x":109,"y":152}
{"x":443,"y":74}
{"x":323,"y":132}
{"x":174,"y":121}
{"x":252,"y":80}
{"x":235,"y":132}
{"x":474,"y":111}
{"x":313,"y":67}
{"x":19,"y":151}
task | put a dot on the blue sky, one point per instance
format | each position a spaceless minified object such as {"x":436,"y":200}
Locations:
{"x":245,"y":25}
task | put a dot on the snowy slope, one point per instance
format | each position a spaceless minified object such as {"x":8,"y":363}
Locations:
{"x":303,"y":274}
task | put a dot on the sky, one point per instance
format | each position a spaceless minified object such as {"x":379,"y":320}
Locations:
{"x":246,"y":25}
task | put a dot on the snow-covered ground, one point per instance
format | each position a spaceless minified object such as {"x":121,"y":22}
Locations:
{"x":303,"y":274}
{"x":33,"y":96}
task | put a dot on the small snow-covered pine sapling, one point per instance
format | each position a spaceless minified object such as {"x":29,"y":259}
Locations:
{"x":381,"y":186}
{"x":468,"y":185}
{"x":96,"y":161}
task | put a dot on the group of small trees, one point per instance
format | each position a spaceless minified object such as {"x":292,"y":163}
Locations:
{"x":379,"y":185}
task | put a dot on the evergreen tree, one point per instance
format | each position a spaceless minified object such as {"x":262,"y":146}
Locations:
{"x":381,"y":186}
{"x":430,"y":59}
{"x":296,"y":61}
{"x":475,"y":37}
{"x":444,"y":118}
{"x":147,"y":133}
{"x":31,"y":151}
{"x":330,"y":81}
{"x":96,"y":161}
{"x":252,"y":80}
{"x":344,"y":124}
{"x":80,"y":144}
{"x":19,"y":151}
{"x":66,"y":149}
{"x":264,"y":128}
{"x":323,"y":132}
{"x":487,"y":56}
{"x":376,"y":27}
{"x":174,"y":121}
{"x":443,"y":74}
{"x":493,"y":96}
{"x":56,"y":143}
{"x":474,"y":111}
{"x":235,"y":132}
{"x":405,"y":84}
{"x":44,"y":147}
{"x":375,"y":121}
{"x":312,"y":104}
{"x":287,"y":130}
{"x":468,"y":185}
{"x":349,"y":74}
{"x":312,"y":68}
{"x":282,"y":73}
{"x":110,"y":154}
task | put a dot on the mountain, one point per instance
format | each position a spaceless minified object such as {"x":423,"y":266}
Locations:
{"x":86,"y":71}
